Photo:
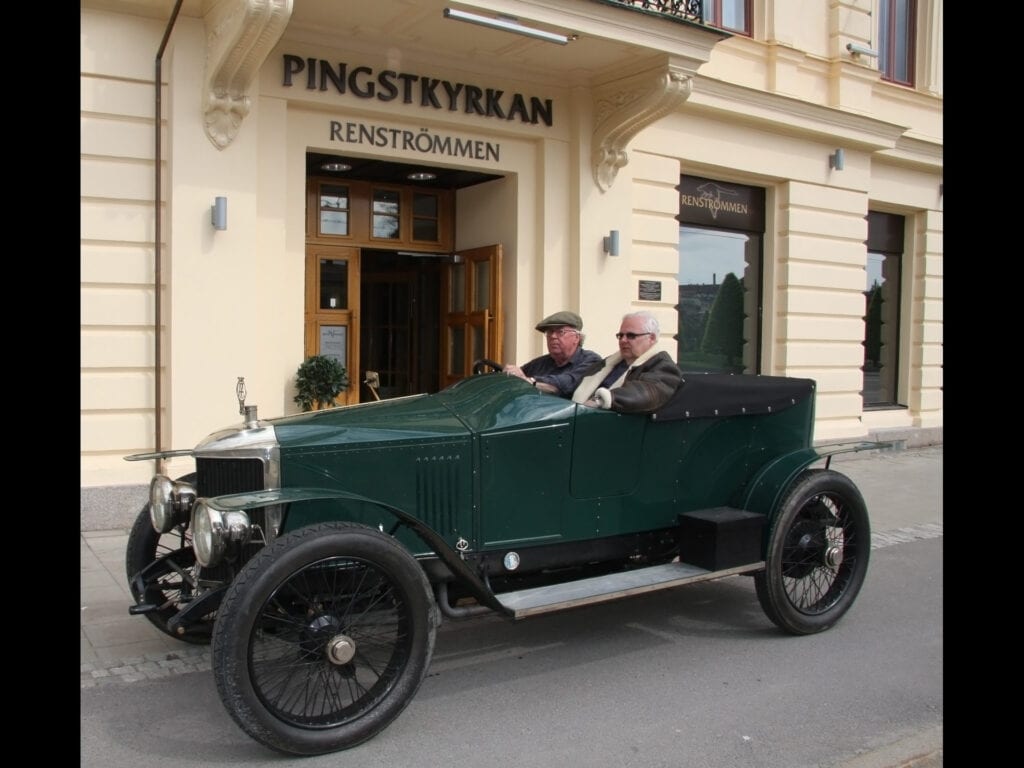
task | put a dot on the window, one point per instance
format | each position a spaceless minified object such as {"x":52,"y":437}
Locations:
{"x":882,"y":310}
{"x":897,"y":30}
{"x":718,"y":288}
{"x":426,"y":213}
{"x":334,"y":209}
{"x":386,"y":213}
{"x":733,"y":15}
{"x":721,"y":234}
{"x":364,"y":213}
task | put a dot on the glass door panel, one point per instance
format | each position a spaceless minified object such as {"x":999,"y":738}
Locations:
{"x":481,"y":285}
{"x":333,"y":283}
{"x":479,"y":340}
{"x":456,"y":349}
{"x":457,"y":288}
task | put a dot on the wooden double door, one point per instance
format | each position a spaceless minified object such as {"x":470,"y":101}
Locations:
{"x":419,"y":321}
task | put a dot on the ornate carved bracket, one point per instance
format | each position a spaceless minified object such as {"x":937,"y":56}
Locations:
{"x":240,"y":34}
{"x":624,"y":107}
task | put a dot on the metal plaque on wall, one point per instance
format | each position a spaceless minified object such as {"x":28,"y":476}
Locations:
{"x":650,"y":290}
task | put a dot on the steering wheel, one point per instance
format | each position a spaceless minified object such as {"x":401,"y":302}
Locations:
{"x":481,"y":365}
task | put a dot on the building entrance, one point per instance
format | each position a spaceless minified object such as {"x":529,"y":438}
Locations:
{"x":387,"y":295}
{"x":400,"y":297}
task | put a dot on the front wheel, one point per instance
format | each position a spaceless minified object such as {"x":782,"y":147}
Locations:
{"x":323,"y":638}
{"x":817,"y":556}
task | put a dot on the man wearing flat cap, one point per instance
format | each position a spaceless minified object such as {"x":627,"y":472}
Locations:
{"x":560,"y":370}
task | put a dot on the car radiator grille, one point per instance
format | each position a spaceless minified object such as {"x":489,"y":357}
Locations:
{"x":215,"y":477}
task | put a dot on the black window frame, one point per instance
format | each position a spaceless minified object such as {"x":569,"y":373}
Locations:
{"x":886,"y":233}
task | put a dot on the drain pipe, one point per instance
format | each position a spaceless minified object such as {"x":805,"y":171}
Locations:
{"x":157,"y":351}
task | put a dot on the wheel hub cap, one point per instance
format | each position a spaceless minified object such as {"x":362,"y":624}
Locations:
{"x":834,"y":556}
{"x":341,"y":649}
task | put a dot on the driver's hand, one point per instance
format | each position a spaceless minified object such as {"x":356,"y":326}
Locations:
{"x":514,"y":370}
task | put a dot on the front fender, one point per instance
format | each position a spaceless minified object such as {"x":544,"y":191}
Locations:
{"x":766,"y":489}
{"x":430,"y":537}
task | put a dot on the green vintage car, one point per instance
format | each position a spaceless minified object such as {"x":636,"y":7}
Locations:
{"x":318,"y":553}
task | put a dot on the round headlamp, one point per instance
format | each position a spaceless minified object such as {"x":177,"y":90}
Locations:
{"x":170,"y":502}
{"x":213,"y":529}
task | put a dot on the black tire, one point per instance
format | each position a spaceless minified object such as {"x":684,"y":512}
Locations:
{"x":483,"y":364}
{"x":168,"y":585}
{"x":323,"y":638}
{"x":817,"y":555}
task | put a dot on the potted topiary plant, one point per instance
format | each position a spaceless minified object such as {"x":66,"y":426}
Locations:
{"x":318,"y":381}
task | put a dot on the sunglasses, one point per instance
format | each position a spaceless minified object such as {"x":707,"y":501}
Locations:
{"x":631,"y":336}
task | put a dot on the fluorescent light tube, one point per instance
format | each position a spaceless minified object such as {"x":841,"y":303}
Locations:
{"x":508,"y":24}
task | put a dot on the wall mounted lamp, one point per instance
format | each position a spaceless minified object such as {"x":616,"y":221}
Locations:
{"x":219,"y":213}
{"x":856,"y":49}
{"x":837,"y":159}
{"x":508,"y":24}
{"x":611,"y":243}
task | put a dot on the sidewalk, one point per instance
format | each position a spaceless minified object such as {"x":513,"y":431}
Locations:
{"x":903,"y":491}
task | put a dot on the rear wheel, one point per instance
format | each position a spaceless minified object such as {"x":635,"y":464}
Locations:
{"x":817,"y":557}
{"x":170,"y":578}
{"x":323,"y":638}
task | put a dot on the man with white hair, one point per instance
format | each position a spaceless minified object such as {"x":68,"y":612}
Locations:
{"x":639,"y":378}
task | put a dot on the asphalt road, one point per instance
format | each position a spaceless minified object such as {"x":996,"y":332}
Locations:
{"x":691,"y":677}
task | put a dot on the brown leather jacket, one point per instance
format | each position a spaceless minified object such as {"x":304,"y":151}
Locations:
{"x":648,"y":384}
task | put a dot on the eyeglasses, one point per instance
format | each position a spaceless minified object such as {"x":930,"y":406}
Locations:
{"x":631,"y":336}
{"x":559,"y":331}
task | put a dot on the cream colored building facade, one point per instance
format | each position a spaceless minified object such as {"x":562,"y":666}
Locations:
{"x":636,"y":101}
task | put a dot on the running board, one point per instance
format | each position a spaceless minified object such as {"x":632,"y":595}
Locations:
{"x":599,"y":589}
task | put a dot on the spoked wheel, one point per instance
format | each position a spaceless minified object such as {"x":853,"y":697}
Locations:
{"x":483,"y":365}
{"x":323,"y":638}
{"x":817,"y":554}
{"x":171,"y":577}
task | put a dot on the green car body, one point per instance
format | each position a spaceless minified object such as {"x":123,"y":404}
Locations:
{"x":334,"y":541}
{"x":498,"y":464}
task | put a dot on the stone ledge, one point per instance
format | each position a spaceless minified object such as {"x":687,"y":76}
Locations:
{"x":111,"y":507}
{"x":908,"y":437}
